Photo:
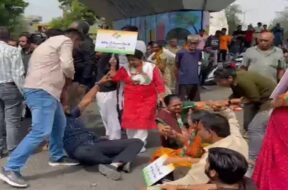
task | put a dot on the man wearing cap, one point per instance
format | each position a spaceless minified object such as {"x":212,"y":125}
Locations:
{"x":187,"y":64}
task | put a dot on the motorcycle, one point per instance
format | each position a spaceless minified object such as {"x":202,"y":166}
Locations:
{"x":233,"y":62}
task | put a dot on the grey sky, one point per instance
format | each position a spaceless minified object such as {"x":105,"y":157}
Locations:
{"x":255,"y":10}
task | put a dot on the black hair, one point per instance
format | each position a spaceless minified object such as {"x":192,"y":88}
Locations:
{"x":53,"y":32}
{"x":4,"y":33}
{"x":230,"y":165}
{"x":225,"y":73}
{"x":83,"y":26}
{"x":138,"y":54}
{"x":27,"y":35}
{"x":216,"y":123}
{"x":169,"y":98}
{"x":37,"y":38}
{"x":72,"y":31}
{"x":152,"y":42}
{"x":130,"y":28}
{"x":159,"y":43}
{"x":218,"y":32}
{"x":197,"y":115}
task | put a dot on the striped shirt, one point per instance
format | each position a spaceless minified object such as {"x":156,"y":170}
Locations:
{"x":11,"y":65}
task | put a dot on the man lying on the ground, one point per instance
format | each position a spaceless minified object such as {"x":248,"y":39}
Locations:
{"x":113,"y":156}
{"x":218,"y":131}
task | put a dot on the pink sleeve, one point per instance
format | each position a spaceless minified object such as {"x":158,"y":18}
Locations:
{"x":120,"y":75}
{"x":158,"y":81}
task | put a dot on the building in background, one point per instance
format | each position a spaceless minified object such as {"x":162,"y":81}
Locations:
{"x":159,"y":19}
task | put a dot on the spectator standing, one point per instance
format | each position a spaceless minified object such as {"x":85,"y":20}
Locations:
{"x":249,"y":36}
{"x":84,"y":62}
{"x":278,"y":32}
{"x":258,"y":30}
{"x":202,"y":40}
{"x":107,"y":99}
{"x":239,"y":35}
{"x":213,"y":44}
{"x":225,"y":41}
{"x":50,"y":64}
{"x":173,"y":45}
{"x":11,"y":83}
{"x":187,"y":74}
{"x":265,"y":28}
{"x":26,"y":49}
{"x":265,"y":58}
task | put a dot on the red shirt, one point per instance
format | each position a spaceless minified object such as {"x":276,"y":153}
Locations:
{"x":249,"y":36}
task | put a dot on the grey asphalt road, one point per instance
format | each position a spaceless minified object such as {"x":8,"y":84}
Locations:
{"x":43,"y":177}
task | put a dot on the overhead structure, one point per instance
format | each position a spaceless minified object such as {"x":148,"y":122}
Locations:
{"x":114,"y":10}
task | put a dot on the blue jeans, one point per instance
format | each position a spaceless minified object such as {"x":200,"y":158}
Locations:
{"x":48,"y":121}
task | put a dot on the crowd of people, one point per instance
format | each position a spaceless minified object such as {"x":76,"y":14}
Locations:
{"x":56,"y":75}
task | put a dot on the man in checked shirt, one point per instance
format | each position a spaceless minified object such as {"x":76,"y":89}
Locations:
{"x":11,"y":82}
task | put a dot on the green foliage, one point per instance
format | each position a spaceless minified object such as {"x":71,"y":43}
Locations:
{"x":73,"y":11}
{"x":233,"y":13}
{"x":11,"y":14}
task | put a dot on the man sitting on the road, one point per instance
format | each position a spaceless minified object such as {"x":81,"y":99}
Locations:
{"x":218,"y":131}
{"x":84,"y":146}
{"x":226,"y":169}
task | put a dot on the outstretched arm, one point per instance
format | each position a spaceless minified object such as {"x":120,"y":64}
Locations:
{"x":88,"y":98}
{"x":91,"y":95}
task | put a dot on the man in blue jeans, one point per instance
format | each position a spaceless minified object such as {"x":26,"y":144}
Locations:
{"x":51,"y":64}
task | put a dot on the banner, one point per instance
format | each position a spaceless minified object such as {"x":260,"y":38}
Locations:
{"x":114,"y":41}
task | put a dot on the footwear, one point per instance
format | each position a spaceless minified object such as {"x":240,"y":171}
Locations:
{"x":110,"y":172}
{"x":64,"y":161}
{"x":127,"y":167}
{"x":14,"y":179}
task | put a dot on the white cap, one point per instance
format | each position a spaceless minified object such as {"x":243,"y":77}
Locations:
{"x":141,"y":46}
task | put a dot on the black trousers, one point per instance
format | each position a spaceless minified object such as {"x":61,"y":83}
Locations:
{"x":108,"y":151}
{"x":222,"y":55}
{"x":189,"y":92}
{"x":250,"y":110}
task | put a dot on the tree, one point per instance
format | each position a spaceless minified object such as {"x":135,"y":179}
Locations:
{"x":11,"y":13}
{"x":233,"y":13}
{"x":73,"y":11}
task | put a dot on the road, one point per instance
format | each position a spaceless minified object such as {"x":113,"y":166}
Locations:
{"x":43,"y":177}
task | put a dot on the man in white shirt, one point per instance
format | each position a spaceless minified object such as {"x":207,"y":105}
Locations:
{"x":11,"y":82}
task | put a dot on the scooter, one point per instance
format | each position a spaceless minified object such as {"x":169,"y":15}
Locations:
{"x":233,"y":63}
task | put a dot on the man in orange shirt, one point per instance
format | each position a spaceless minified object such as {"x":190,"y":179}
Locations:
{"x":225,"y":41}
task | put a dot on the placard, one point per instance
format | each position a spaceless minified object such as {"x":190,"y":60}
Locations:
{"x":114,"y":41}
{"x":157,"y":170}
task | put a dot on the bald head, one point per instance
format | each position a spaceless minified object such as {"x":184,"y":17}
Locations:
{"x":265,"y":40}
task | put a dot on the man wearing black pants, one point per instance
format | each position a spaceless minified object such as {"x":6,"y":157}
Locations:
{"x":81,"y":144}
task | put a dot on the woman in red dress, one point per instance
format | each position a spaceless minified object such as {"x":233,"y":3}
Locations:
{"x":143,"y":87}
{"x":271,"y":167}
